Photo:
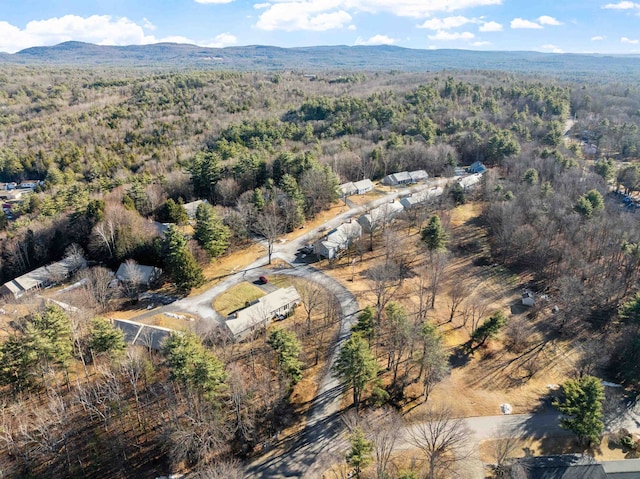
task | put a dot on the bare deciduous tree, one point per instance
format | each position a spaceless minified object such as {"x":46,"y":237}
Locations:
{"x":269,"y":225}
{"x":383,"y":428}
{"x":385,"y":280}
{"x":442,"y":439}
{"x":313,"y":296}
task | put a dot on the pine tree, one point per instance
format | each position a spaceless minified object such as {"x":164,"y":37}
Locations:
{"x":434,"y":235}
{"x":106,"y":338}
{"x":359,"y":456}
{"x":182,"y":266}
{"x":287,"y":348}
{"x":210,"y":232}
{"x":489,"y":328}
{"x":581,"y":403}
{"x":356,"y":366}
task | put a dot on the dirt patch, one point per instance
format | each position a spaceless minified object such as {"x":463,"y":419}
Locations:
{"x":236,"y":298}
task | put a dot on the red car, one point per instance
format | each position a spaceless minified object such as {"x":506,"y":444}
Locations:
{"x":263,"y":280}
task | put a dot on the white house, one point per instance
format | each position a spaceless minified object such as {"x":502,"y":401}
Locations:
{"x":337,"y":240}
{"x":347,"y":189}
{"x":42,"y":277}
{"x":418,"y":175}
{"x":471,"y":180}
{"x":363,"y":186}
{"x":28,"y":184}
{"x":400,"y":178}
{"x":258,"y":315}
{"x":379,"y":216}
{"x":423,"y":196}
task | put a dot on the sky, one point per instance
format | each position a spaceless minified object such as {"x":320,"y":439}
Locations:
{"x":559,"y":26}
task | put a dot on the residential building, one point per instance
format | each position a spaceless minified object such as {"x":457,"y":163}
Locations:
{"x":347,"y":189}
{"x":418,"y":175}
{"x":379,"y":216}
{"x":192,"y":207}
{"x":469,"y":181}
{"x":421,"y":197}
{"x":146,"y":335}
{"x":258,"y":315}
{"x":477,"y":167}
{"x":138,"y":274}
{"x":42,"y":277}
{"x":400,"y":178}
{"x":573,"y":466}
{"x":363,"y":186}
{"x":337,"y":240}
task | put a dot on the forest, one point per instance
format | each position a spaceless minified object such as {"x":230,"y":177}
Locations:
{"x":118,"y":152}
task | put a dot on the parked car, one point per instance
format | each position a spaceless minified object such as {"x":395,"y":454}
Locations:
{"x":263,"y":280}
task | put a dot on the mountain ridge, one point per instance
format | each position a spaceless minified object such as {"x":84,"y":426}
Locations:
{"x":321,"y":58}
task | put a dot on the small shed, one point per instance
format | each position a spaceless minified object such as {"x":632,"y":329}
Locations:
{"x":528,"y":298}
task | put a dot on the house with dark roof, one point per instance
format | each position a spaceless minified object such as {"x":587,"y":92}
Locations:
{"x":477,"y":167}
{"x":146,"y":335}
{"x":565,"y":466}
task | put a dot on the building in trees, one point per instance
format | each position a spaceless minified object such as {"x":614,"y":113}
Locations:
{"x":42,"y":277}
{"x":418,"y":175}
{"x":355,"y":188}
{"x":421,"y":197}
{"x":380,"y":216}
{"x":138,"y":275}
{"x":259,"y":314}
{"x":337,"y":240}
{"x":470,"y":181}
{"x":146,"y":335}
{"x":477,"y":167}
{"x":400,"y":178}
{"x":192,"y":207}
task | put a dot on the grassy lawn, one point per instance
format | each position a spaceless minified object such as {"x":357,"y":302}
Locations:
{"x":236,"y":298}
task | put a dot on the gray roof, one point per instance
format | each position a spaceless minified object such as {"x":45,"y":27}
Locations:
{"x":144,"y":274}
{"x":143,"y":334}
{"x":418,"y":175}
{"x":262,"y":311}
{"x":44,"y":275}
{"x":378,"y":215}
{"x":400,"y":177}
{"x":566,"y":466}
{"x":192,"y":207}
{"x":347,"y":188}
{"x":365,"y":184}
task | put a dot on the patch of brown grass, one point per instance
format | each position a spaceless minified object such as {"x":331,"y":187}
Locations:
{"x":237,"y":297}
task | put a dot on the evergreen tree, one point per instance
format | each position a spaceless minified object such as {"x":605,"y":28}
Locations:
{"x":530,"y":176}
{"x":180,"y":263}
{"x":359,"y":455}
{"x":106,"y":338}
{"x":434,"y":235}
{"x":289,"y":186}
{"x":193,"y":365}
{"x":489,"y":328}
{"x":210,"y":232}
{"x":175,"y":212}
{"x":366,"y":322}
{"x":205,"y":173}
{"x":287,"y":348}
{"x":581,"y":403}
{"x":356,"y":366}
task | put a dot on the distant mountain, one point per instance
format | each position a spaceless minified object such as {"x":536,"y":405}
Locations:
{"x":322,"y":58}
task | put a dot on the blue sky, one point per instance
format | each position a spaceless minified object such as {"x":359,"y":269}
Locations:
{"x":575,"y":26}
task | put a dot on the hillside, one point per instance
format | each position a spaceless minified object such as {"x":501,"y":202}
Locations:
{"x":318,"y":58}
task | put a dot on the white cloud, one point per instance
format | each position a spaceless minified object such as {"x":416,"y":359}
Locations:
{"x":446,"y":23}
{"x":376,"y":40}
{"x":292,"y":15}
{"x":480,"y":44}
{"x":352,"y":27}
{"x":260,"y":6}
{"x":552,"y":48}
{"x":448,"y":36}
{"x":625,"y":5}
{"x":632,"y":41}
{"x":220,"y":41}
{"x":213,"y":1}
{"x":147,"y":24}
{"x":597,"y":38}
{"x":522,"y":23}
{"x":303,"y":16}
{"x":490,"y":27}
{"x":98,"y":29}
{"x":547,"y":20}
